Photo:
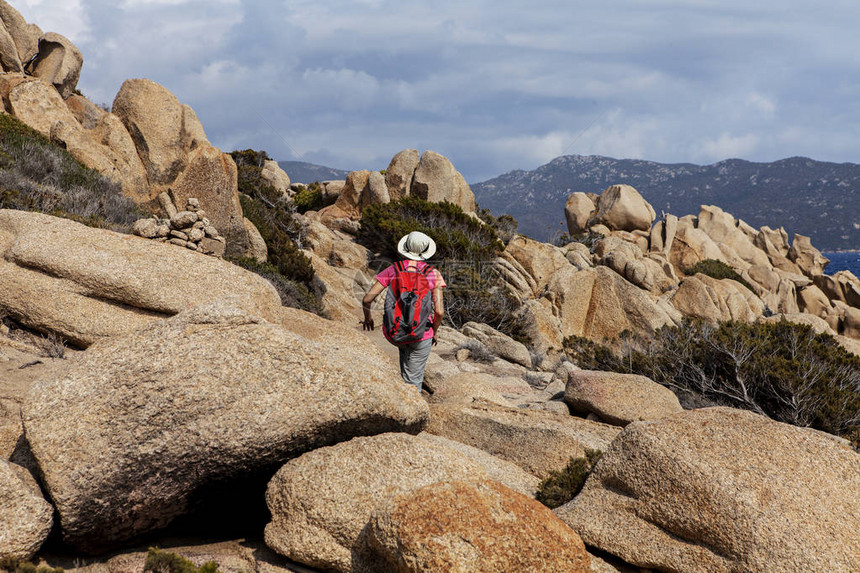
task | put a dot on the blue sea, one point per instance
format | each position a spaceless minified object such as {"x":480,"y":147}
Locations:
{"x":843,"y":261}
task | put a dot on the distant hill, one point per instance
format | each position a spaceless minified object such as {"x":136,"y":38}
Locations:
{"x":809,"y":197}
{"x":301,"y":172}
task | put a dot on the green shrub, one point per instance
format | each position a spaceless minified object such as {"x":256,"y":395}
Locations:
{"x":718,"y":270}
{"x":309,"y":198}
{"x":779,"y":369}
{"x":504,"y":225}
{"x":272,"y":213}
{"x":293,"y":294}
{"x":158,"y":561}
{"x":9,"y":565}
{"x":37,"y":175}
{"x":562,"y":486}
{"x":466,"y":250}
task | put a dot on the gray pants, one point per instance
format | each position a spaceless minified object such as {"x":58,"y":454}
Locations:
{"x":413,"y":358}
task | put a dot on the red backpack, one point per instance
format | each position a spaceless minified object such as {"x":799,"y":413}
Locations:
{"x":408,"y":305}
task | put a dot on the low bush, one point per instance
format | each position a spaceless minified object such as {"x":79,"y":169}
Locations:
{"x":9,"y":565}
{"x":273,"y":215}
{"x":37,"y":175}
{"x":718,"y":270}
{"x":562,"y":486}
{"x":158,"y":561}
{"x":779,"y":369}
{"x":309,"y":198}
{"x":293,"y":294}
{"x":477,"y":351}
{"x":466,"y":251}
{"x":504,"y":225}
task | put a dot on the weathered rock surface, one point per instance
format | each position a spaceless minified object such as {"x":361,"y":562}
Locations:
{"x":458,"y":526}
{"x":721,"y":490}
{"x":103,"y":283}
{"x":465,"y":388}
{"x":577,"y":211}
{"x":59,"y":63}
{"x":25,"y":517}
{"x":808,"y":258}
{"x":143,"y":422}
{"x":36,"y":103}
{"x":321,"y":501}
{"x":25,"y":36}
{"x":275,"y":176}
{"x":498,"y":343}
{"x":536,"y":441}
{"x":622,"y":208}
{"x":619,"y":399}
{"x":436,"y":180}
{"x":401,"y":170}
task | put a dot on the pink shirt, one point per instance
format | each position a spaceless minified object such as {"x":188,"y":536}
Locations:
{"x":435,"y":279}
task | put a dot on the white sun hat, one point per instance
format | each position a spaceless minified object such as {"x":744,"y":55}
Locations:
{"x":417,"y":246}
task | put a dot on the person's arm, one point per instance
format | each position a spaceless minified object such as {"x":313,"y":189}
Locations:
{"x":368,"y":299}
{"x":438,"y":311}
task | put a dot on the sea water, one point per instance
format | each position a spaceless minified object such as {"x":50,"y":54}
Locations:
{"x":843,"y":261}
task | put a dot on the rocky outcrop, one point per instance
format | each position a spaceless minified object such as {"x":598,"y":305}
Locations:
{"x":24,"y":36}
{"x":59,"y":63}
{"x":435,"y":180}
{"x":104,"y":283}
{"x":622,"y":208}
{"x":145,"y":421}
{"x":275,"y":176}
{"x":619,"y":399}
{"x":538,"y":442}
{"x":25,"y":517}
{"x":718,"y":490}
{"x":466,"y":526}
{"x":321,"y":501}
{"x":498,"y":343}
{"x":577,"y":212}
{"x":400,"y":172}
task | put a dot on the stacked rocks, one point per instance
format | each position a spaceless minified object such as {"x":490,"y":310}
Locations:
{"x":189,"y":228}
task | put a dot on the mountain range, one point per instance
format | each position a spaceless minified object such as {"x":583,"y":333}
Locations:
{"x":814,"y":198}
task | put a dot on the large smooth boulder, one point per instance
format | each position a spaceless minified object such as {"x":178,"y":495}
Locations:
{"x":9,"y":60}
{"x":321,"y":501}
{"x":153,"y":117}
{"x":349,"y":200}
{"x":26,"y":36}
{"x":723,"y":229}
{"x":142,"y":423}
{"x":465,"y":527}
{"x":59,"y":63}
{"x":619,"y":399}
{"x":622,"y":208}
{"x":498,"y":343}
{"x":275,"y":176}
{"x":435,"y":180}
{"x":598,"y":303}
{"x":536,"y":261}
{"x":719,"y":489}
{"x":714,"y":300}
{"x":537,"y":441}
{"x":36,"y":103}
{"x":87,"y":284}
{"x":691,"y":245}
{"x":577,"y":211}
{"x":25,"y":517}
{"x":400,"y":171}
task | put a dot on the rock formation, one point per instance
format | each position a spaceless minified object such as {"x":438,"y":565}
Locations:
{"x":141,"y":422}
{"x":721,"y":490}
{"x":464,"y":526}
{"x":189,"y":228}
{"x":431,"y":177}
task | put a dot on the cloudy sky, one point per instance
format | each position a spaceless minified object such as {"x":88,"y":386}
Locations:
{"x":494,"y":85}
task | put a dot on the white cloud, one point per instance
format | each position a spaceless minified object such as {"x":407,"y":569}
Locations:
{"x":65,"y":17}
{"x":728,"y":146}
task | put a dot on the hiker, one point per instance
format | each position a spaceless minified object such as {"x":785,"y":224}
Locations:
{"x":413,"y":305}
